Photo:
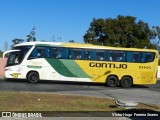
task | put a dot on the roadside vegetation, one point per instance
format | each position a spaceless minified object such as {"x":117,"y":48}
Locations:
{"x":24,"y":101}
{"x":1,"y":53}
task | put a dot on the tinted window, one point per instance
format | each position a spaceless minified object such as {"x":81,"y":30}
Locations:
{"x":23,"y":49}
{"x":64,"y":53}
{"x":92,"y":54}
{"x":76,"y":54}
{"x":148,"y":57}
{"x":60,"y":53}
{"x":40,"y":52}
{"x":117,"y":56}
{"x":101,"y":55}
{"x":129,"y":56}
{"x":86,"y":54}
{"x":139,"y":57}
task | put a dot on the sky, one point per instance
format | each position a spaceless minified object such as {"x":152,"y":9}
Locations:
{"x":67,"y":19}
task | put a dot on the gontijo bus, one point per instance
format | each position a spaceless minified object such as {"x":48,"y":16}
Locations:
{"x":36,"y":61}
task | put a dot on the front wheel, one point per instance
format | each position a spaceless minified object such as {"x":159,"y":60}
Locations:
{"x":126,"y":82}
{"x":112,"y":81}
{"x":33,"y":77}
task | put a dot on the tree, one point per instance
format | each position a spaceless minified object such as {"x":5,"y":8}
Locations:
{"x":71,"y":41}
{"x":31,"y":36}
{"x":5,"y":46}
{"x":1,"y":53}
{"x":155,"y":34}
{"x":122,"y":31}
{"x":16,"y":41}
{"x":155,"y":37}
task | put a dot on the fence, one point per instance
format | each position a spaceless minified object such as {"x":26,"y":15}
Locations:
{"x":2,"y":65}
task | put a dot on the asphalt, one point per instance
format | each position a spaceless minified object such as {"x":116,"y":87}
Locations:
{"x":148,"y":94}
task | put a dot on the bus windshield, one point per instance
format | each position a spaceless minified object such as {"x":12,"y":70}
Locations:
{"x":16,"y":57}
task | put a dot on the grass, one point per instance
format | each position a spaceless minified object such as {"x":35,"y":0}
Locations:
{"x":23,"y":101}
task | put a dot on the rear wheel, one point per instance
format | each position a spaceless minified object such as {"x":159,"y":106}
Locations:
{"x":112,"y":81}
{"x":126,"y":82}
{"x":33,"y":77}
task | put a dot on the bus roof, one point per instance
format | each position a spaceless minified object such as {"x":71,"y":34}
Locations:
{"x":80,"y":45}
{"x":37,"y":42}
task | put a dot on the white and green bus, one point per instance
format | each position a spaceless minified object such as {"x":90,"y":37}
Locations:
{"x":77,"y":62}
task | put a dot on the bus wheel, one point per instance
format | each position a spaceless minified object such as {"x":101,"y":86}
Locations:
{"x":126,"y":82}
{"x":112,"y":81}
{"x":33,"y":77}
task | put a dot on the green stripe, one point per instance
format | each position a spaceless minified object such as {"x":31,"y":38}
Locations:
{"x":60,"y":67}
{"x":68,"y":68}
{"x":75,"y":68}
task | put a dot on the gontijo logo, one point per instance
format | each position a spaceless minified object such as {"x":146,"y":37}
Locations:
{"x":108,"y":65}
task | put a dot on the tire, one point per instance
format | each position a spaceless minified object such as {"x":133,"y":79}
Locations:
{"x":33,"y":77}
{"x":126,"y":82}
{"x":112,"y":81}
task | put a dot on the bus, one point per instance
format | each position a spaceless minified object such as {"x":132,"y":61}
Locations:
{"x":60,"y":61}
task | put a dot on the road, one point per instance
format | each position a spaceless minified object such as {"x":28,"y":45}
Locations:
{"x":149,"y":94}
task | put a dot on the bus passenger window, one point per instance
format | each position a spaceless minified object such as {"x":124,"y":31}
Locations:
{"x":54,"y":52}
{"x":109,"y":55}
{"x":100,"y":55}
{"x":63,"y":53}
{"x":47,"y":52}
{"x":76,"y":54}
{"x":149,"y":57}
{"x":136,"y":57}
{"x":110,"y":58}
{"x":54,"y":55}
{"x":117,"y":56}
{"x":69,"y":53}
{"x":58,"y":54}
{"x":87,"y":55}
{"x":40,"y":53}
{"x":129,"y":56}
{"x":78,"y":57}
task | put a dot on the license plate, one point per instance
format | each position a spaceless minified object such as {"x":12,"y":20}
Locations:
{"x":15,"y":75}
